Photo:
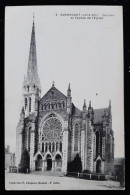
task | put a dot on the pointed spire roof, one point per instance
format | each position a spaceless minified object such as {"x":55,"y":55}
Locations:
{"x":110,"y":107}
{"x":109,"y":103}
{"x":69,"y":91}
{"x":69,"y":87}
{"x":84,"y":105}
{"x":53,"y":84}
{"x":90,"y":103}
{"x":32,"y":72}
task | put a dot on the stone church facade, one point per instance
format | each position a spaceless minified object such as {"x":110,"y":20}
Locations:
{"x":53,"y":130}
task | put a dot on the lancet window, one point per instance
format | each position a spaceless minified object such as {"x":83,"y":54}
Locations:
{"x":26,"y":103}
{"x":76,"y":131}
{"x":29,"y":104}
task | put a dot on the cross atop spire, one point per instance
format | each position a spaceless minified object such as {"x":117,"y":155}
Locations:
{"x":33,"y":16}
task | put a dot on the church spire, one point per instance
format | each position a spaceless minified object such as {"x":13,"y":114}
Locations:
{"x":31,"y":84}
{"x":32,"y":77}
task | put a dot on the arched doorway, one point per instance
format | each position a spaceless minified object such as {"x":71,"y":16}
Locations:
{"x":98,"y":166}
{"x":39,"y":163}
{"x":58,"y":162}
{"x":49,"y":162}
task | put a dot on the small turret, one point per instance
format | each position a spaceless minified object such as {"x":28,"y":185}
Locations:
{"x":109,"y":103}
{"x":84,"y":113}
{"x":69,"y":100}
{"x":69,"y":91}
{"x":90,"y":104}
{"x":84,"y":106}
{"x":110,"y":107}
{"x":89,"y":108}
{"x":110,"y":114}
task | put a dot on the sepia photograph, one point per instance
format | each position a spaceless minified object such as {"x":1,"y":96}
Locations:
{"x":64,"y":98}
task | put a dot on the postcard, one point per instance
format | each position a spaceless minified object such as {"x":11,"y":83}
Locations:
{"x":64,"y":104}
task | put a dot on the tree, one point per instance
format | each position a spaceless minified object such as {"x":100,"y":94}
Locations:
{"x":75,"y":165}
{"x":24,"y":164}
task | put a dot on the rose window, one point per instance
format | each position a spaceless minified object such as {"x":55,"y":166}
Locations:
{"x":52,"y":129}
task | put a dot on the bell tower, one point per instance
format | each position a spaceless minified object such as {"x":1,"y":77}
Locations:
{"x":31,"y":84}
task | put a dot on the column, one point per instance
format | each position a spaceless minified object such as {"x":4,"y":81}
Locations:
{"x":44,"y":147}
{"x":94,"y":170}
{"x":58,"y":146}
{"x":102,"y":167}
{"x":51,"y":146}
{"x":47,"y":146}
{"x":90,"y":147}
{"x":32,"y":148}
{"x":55,"y":147}
{"x":99,"y":144}
{"x":82,"y":148}
{"x":53,"y":165}
{"x":43,"y":167}
{"x":65,"y":150}
{"x":18,"y":148}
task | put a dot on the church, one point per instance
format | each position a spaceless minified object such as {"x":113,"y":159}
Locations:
{"x":53,"y":130}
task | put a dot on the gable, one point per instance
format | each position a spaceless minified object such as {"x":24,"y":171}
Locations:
{"x":53,"y":94}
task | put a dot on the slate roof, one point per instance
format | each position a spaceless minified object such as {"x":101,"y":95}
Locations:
{"x":52,"y":94}
{"x":98,"y":115}
{"x":119,"y":161}
{"x":76,"y":111}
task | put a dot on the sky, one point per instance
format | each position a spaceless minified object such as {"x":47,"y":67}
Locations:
{"x":85,"y":52}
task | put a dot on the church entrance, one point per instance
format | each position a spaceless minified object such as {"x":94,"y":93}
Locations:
{"x":39,"y":163}
{"x":49,"y":162}
{"x":98,"y":166}
{"x":58,"y":162}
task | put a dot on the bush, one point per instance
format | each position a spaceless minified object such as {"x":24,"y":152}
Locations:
{"x":25,"y":162}
{"x":75,"y":165}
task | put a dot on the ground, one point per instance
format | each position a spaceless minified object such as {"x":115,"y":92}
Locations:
{"x":40,"y":181}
